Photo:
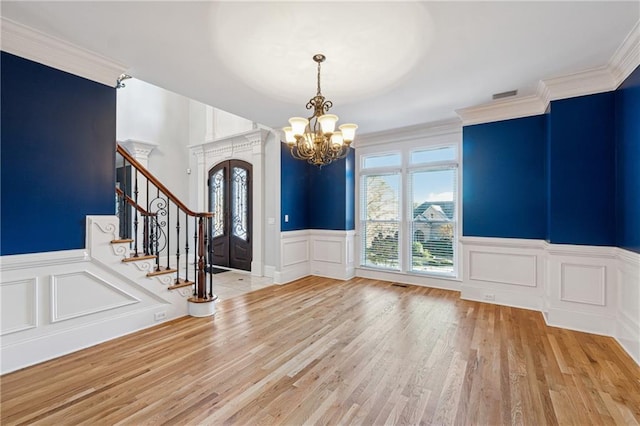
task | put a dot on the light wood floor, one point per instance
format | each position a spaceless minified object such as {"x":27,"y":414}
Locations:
{"x":321,"y":351}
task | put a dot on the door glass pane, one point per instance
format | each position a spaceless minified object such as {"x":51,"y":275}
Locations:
{"x":239,"y":198}
{"x":433,"y":222}
{"x":216,"y":200}
{"x":381,"y":220}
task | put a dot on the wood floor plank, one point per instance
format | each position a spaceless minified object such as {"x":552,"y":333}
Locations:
{"x":322,"y":351}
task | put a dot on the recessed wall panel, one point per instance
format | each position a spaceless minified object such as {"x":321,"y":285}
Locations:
{"x":583,"y":284}
{"x":83,"y":293}
{"x":19,"y":305}
{"x":327,"y":251}
{"x":514,"y":269}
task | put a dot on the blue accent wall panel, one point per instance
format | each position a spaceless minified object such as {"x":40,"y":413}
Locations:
{"x":581,"y":171}
{"x":317,"y":198}
{"x":58,"y":154}
{"x":294,"y":178}
{"x":627,"y":107}
{"x":331,"y":189}
{"x":504,"y":186}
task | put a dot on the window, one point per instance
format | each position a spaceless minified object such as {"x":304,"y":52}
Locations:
{"x":408,"y":210}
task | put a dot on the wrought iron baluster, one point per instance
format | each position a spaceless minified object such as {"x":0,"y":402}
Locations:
{"x":195,"y":258}
{"x":135,"y":220}
{"x":177,"y":244}
{"x":186,"y":248}
{"x":168,"y":247}
{"x":158,"y":226}
{"x":148,"y":233}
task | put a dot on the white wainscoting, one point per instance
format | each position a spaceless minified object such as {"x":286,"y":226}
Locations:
{"x":324,"y":253}
{"x":628,"y":298}
{"x":59,"y":302}
{"x":584,"y":288}
{"x":504,"y":271}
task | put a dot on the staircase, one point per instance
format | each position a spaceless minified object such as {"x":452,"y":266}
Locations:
{"x":161,"y":236}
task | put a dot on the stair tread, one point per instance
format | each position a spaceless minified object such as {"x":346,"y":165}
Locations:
{"x":140,"y":257}
{"x":180,"y":283}
{"x":122,"y":240}
{"x":161,"y":271}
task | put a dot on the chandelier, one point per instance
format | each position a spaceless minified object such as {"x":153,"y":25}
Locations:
{"x":315,"y":139}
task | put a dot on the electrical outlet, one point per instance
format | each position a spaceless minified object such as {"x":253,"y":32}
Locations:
{"x":160,"y":315}
{"x":286,"y":218}
{"x":490,"y":297}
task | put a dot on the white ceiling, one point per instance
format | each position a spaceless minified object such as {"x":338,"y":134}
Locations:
{"x":389,"y":64}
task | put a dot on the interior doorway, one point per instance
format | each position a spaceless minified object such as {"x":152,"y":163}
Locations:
{"x":230,"y":200}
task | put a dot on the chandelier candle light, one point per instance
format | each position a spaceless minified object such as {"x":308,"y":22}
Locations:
{"x":315,"y":139}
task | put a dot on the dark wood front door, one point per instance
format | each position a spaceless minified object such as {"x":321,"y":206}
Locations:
{"x":230,"y":201}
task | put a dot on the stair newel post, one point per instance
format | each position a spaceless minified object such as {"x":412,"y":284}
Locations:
{"x":135,"y":217}
{"x":202,"y":289}
{"x":210,"y":254}
{"x":177,"y":244}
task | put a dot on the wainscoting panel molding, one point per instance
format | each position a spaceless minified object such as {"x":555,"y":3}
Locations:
{"x":294,"y":256}
{"x":584,"y":288}
{"x":19,"y":305}
{"x":583,"y":284}
{"x":59,"y":302}
{"x":504,"y":271}
{"x":332,"y":253}
{"x":324,"y":253}
{"x":628,"y":300}
{"x":512,"y":269}
{"x":83,"y":293}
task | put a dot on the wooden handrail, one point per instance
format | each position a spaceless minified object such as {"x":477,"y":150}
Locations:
{"x":122,"y":151}
{"x":132,"y":203}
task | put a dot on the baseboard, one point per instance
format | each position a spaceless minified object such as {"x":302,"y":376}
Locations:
{"x":291,"y":273}
{"x":43,"y":348}
{"x":503,"y":297}
{"x":419,"y":280}
{"x":586,"y":322}
{"x":269,"y":271}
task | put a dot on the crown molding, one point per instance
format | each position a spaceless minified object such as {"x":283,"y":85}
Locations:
{"x":37,"y":46}
{"x":627,"y":58}
{"x":503,"y":109}
{"x":597,"y":80}
{"x":588,"y":82}
{"x":418,"y":131}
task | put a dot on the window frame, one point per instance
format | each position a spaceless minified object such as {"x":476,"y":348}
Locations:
{"x":406,"y":148}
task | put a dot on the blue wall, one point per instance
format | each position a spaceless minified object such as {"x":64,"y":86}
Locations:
{"x":58,"y":155}
{"x":317,"y":198}
{"x":294,"y":181}
{"x":582,"y":171}
{"x":504,"y":189}
{"x":571,"y":176}
{"x":627,"y":108}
